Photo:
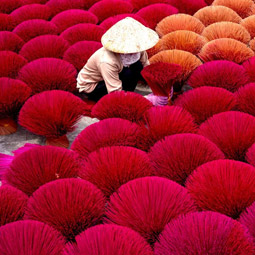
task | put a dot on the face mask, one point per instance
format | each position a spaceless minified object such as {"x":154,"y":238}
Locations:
{"x":129,"y":59}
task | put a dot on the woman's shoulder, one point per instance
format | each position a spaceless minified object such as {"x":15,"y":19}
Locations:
{"x":108,"y":57}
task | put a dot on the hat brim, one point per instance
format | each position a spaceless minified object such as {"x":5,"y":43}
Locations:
{"x":129,"y":36}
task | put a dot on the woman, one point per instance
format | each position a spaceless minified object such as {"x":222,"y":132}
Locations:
{"x":117,"y":65}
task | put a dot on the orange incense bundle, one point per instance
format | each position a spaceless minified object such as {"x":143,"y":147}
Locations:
{"x":185,"y":59}
{"x":252,"y":44}
{"x":211,"y":14}
{"x":243,"y":7}
{"x":249,"y":24}
{"x":226,"y":49}
{"x":183,"y":40}
{"x":154,"y":50}
{"x":227,"y":29}
{"x":179,"y":22}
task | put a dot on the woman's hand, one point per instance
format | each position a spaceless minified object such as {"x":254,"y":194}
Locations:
{"x":157,"y":100}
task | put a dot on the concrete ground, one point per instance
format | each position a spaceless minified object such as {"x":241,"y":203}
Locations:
{"x":14,"y":141}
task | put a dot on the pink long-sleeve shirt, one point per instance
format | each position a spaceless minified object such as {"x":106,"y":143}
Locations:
{"x":103,"y":65}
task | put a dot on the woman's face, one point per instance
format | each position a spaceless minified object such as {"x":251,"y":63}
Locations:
{"x":130,"y":58}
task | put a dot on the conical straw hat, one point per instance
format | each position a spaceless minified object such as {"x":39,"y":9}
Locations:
{"x":129,"y":36}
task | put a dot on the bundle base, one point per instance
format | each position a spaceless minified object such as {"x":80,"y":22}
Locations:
{"x":61,"y":141}
{"x":8,"y":126}
{"x":170,"y":101}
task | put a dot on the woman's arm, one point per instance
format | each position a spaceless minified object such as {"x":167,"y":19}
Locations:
{"x":110,"y":75}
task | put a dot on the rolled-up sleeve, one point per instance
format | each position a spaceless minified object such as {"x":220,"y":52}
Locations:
{"x":110,"y":75}
{"x":81,"y":80}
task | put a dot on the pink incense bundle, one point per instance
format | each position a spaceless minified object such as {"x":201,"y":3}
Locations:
{"x":7,"y":6}
{"x":6,"y":160}
{"x":69,"y":18}
{"x":168,"y":120}
{"x":219,"y":73}
{"x":69,"y":205}
{"x":30,"y":237}
{"x":110,"y":167}
{"x":52,"y":114}
{"x":245,"y":98}
{"x":34,"y":1}
{"x":88,"y":106}
{"x":139,"y":4}
{"x":202,"y":103}
{"x":161,"y":77}
{"x":249,"y":66}
{"x":13,"y":94}
{"x":109,"y":22}
{"x":10,"y":64}
{"x":188,"y":6}
{"x":175,"y":157}
{"x":108,"y":8}
{"x":233,"y":132}
{"x":7,"y":23}
{"x":250,"y":155}
{"x":83,"y":32}
{"x":10,"y":41}
{"x":88,"y":3}
{"x":204,"y":233}
{"x":247,"y":218}
{"x":185,"y":59}
{"x":13,"y":203}
{"x":121,"y":104}
{"x":154,"y":13}
{"x":79,"y":53}
{"x":224,"y":186}
{"x":26,"y":147}
{"x":147,"y":204}
{"x":109,"y":239}
{"x":58,"y":6}
{"x":109,"y":132}
{"x":30,"y":29}
{"x":48,"y":74}
{"x":41,"y":164}
{"x":31,"y":11}
{"x":41,"y":47}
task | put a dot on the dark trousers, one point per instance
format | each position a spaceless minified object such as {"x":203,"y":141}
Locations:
{"x":129,"y":77}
